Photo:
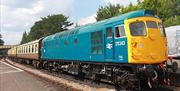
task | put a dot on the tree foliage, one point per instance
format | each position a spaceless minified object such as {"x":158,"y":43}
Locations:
{"x":47,"y":26}
{"x":110,"y":10}
{"x":167,"y":10}
{"x":24,"y":38}
{"x":107,"y":11}
{"x":164,"y":9}
{"x":1,"y":41}
{"x":172,"y":21}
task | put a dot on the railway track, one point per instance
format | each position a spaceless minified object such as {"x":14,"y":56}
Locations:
{"x":98,"y":86}
{"x":101,"y":85}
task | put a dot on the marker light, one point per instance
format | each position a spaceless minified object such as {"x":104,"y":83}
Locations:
{"x":134,"y":44}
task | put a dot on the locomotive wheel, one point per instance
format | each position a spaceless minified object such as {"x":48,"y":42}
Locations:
{"x":124,"y":84}
{"x":122,"y":81}
{"x":174,"y":66}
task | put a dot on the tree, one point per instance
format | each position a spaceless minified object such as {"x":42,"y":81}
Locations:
{"x":114,"y":10}
{"x":107,"y":11}
{"x":24,"y":38}
{"x":167,"y":10}
{"x":162,"y":8}
{"x":1,"y":41}
{"x":172,"y":21}
{"x":130,"y":7}
{"x":47,"y":26}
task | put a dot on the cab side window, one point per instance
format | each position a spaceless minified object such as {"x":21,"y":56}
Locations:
{"x":162,"y":30}
{"x":120,"y":31}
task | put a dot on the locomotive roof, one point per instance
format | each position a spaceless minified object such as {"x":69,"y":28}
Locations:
{"x":86,"y":28}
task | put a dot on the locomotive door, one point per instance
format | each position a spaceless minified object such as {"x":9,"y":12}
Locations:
{"x":109,"y":44}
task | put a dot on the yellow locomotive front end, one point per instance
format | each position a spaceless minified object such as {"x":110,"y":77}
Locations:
{"x":147,"y":42}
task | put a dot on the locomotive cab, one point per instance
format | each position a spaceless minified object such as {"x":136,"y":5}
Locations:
{"x":146,"y":40}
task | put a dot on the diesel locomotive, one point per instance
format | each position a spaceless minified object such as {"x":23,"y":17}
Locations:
{"x":128,"y":50}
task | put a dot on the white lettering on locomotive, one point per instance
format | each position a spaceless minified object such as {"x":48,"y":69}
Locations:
{"x":109,"y":46}
{"x":119,"y":43}
{"x":120,"y":57}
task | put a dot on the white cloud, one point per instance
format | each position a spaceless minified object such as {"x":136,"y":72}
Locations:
{"x":18,"y":4}
{"x":121,"y":2}
{"x":86,"y":20}
{"x":18,"y":16}
{"x":11,"y":37}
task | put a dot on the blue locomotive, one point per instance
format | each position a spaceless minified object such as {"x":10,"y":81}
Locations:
{"x":127,"y":50}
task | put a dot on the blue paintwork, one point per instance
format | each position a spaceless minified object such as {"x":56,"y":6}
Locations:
{"x":61,"y":46}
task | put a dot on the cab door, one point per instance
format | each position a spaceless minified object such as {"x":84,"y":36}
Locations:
{"x":120,"y":46}
{"x":109,"y":44}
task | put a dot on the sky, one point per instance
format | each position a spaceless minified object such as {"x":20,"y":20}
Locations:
{"x":17,"y":16}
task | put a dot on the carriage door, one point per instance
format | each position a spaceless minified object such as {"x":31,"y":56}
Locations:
{"x":109,"y":44}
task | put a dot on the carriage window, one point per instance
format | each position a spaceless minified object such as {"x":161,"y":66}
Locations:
{"x":20,"y":50}
{"x":26,"y":49}
{"x":35,"y":48}
{"x":162,"y":30}
{"x":23,"y":50}
{"x":138,"y":29}
{"x":32,"y":48}
{"x":109,"y":32}
{"x":96,"y":42}
{"x":151,"y":24}
{"x":120,"y":31}
{"x":29,"y":49}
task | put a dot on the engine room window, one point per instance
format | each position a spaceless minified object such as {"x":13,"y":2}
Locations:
{"x":65,"y":42}
{"x":162,"y":30}
{"x":96,"y":42}
{"x":138,"y":29}
{"x":151,"y":24}
{"x":109,"y":32}
{"x":57,"y":43}
{"x":75,"y":40}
